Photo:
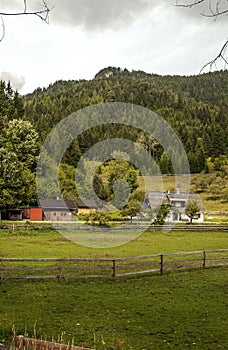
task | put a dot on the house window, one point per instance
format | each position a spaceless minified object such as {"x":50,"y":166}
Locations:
{"x":54,"y":213}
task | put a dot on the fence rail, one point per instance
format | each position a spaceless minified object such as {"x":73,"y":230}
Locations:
{"x":88,"y":268}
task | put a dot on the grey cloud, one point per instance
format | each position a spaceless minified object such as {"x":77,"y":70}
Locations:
{"x":99,"y":14}
{"x":207,"y":7}
{"x":114,"y":14}
{"x":16,"y":82}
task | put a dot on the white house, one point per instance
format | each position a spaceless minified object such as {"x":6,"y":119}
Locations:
{"x":177,"y":201}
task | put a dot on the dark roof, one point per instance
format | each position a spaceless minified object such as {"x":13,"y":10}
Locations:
{"x":86,"y":203}
{"x":157,"y":198}
{"x":56,"y":204}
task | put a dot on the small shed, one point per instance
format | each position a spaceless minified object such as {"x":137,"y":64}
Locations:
{"x":36,"y":214}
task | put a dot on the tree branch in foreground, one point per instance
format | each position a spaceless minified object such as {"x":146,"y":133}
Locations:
{"x":3,"y":30}
{"x":214,"y":13}
{"x":221,"y":55}
{"x":43,"y":14}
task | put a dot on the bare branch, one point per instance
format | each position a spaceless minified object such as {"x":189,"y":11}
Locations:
{"x":191,"y":4}
{"x":25,"y":6}
{"x":221,"y":56}
{"x":43,"y":14}
{"x":3,"y":29}
{"x":214,"y":12}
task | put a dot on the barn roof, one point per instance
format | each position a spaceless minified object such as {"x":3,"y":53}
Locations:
{"x":56,"y":204}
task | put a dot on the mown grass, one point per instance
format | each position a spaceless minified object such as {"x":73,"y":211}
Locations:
{"x":46,"y":244}
{"x":182,"y":310}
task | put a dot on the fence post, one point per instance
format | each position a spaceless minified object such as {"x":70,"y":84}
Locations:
{"x":114,"y":269}
{"x":2,"y":271}
{"x":204,"y":259}
{"x":162,"y":264}
{"x":60,"y":269}
{"x":20,"y":342}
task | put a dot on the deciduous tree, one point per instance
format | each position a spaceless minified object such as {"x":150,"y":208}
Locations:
{"x":191,"y":209}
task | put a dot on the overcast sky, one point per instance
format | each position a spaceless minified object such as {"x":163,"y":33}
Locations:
{"x":85,"y":36}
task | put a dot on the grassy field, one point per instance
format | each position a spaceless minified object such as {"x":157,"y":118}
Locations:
{"x":50,"y":244}
{"x":182,"y":310}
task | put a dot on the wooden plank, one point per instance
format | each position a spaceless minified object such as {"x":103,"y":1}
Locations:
{"x":137,"y":272}
{"x":95,"y":268}
{"x":30,"y":268}
{"x":29,"y":343}
{"x":171,"y":262}
{"x":132,"y":266}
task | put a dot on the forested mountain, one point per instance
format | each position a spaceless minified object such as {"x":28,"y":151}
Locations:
{"x":196,"y":107}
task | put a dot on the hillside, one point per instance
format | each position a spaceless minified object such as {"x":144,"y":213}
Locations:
{"x":211,"y":88}
{"x":195,"y":106}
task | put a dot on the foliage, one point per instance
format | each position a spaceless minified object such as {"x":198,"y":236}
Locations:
{"x":213,"y":186}
{"x":191,"y":209}
{"x":19,"y":146}
{"x":17,"y":162}
{"x":196,"y":107}
{"x":132,"y":208}
{"x":114,"y":180}
{"x":162,"y":214}
{"x":96,"y":218}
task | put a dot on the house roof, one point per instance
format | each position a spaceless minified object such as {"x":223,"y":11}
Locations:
{"x":56,"y":204}
{"x":156,"y":198}
{"x":183,"y":196}
{"x":86,"y":203}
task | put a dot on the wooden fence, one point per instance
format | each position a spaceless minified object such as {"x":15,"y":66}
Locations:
{"x":125,"y":226}
{"x":88,"y":268}
{"x":23,"y":343}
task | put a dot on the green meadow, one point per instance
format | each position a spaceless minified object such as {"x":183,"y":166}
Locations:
{"x":50,"y":244}
{"x":179,"y":310}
